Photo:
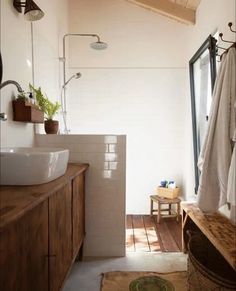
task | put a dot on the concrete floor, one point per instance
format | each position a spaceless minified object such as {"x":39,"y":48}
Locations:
{"x":85,"y":276}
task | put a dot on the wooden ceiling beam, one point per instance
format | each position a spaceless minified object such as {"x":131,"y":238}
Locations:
{"x":168,"y":8}
{"x":193,"y":4}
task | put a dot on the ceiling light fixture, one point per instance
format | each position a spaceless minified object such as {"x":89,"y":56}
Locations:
{"x":32,"y":11}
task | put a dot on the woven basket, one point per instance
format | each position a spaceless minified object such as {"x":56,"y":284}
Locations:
{"x":168,"y":192}
{"x":207,"y":269}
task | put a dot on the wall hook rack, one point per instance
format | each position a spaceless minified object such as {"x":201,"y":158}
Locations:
{"x":221,"y":37}
{"x":222,"y":48}
{"x":230,"y":24}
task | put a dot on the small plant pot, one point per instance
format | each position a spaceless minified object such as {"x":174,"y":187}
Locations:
{"x":51,"y":126}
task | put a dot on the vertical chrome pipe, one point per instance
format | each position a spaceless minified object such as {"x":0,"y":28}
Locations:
{"x":64,"y":75}
{"x":64,"y":62}
{"x":32,"y":54}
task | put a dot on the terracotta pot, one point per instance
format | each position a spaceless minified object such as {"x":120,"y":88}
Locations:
{"x":51,"y":126}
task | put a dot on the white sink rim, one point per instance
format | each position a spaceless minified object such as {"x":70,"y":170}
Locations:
{"x":40,"y":165}
{"x":30,"y":150}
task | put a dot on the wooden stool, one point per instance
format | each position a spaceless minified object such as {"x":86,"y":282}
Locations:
{"x":159,"y":210}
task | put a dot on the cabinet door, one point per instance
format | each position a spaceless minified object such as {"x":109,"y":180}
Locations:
{"x":78,"y":207}
{"x":60,"y":234}
{"x":23,"y":252}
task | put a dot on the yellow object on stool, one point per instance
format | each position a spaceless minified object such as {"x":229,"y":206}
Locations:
{"x":168,"y":192}
{"x":159,"y":210}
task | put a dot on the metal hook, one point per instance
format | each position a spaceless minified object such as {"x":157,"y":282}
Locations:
{"x":223,"y":48}
{"x":219,"y":59}
{"x":230,"y":24}
{"x":221,"y":36}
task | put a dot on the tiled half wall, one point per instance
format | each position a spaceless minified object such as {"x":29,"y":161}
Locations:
{"x":105,"y":188}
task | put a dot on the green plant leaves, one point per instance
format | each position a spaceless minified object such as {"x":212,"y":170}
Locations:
{"x":49,"y":108}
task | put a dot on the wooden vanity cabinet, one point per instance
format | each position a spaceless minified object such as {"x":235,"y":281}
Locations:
{"x":78,"y":217}
{"x":60,"y":232}
{"x":24,"y":252}
{"x":41,"y":232}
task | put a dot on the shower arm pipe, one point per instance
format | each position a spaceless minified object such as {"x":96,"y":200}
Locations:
{"x":68,"y":81}
{"x":64,"y":58}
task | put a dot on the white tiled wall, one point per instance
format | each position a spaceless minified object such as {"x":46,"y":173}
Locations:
{"x":105,"y":187}
{"x":136,"y":87}
{"x":16,"y":49}
{"x":148,"y":106}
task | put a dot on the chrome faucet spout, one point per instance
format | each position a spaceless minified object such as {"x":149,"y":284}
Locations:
{"x":3,"y":116}
{"x":9,"y":82}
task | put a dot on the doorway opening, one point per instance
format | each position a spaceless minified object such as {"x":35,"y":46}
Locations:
{"x":144,"y":234}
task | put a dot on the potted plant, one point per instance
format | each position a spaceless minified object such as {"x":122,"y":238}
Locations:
{"x":50,"y":109}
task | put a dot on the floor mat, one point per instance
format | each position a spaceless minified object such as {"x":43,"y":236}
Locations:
{"x":127,"y":281}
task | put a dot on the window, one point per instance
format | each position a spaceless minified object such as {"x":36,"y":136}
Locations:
{"x":202,"y":69}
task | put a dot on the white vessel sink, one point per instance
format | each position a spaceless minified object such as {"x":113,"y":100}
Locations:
{"x":31,"y":166}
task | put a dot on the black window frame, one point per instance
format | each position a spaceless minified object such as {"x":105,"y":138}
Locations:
{"x":210,"y":44}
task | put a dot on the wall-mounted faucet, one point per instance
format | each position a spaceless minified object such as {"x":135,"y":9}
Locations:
{"x":3,"y":116}
{"x":8,"y":82}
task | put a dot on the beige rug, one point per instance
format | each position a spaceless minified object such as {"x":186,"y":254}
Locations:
{"x":120,"y":281}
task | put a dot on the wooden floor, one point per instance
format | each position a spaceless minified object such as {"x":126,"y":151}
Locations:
{"x":143,"y":234}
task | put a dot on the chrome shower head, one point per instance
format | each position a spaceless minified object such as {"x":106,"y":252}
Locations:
{"x":98,"y":45}
{"x":76,"y":76}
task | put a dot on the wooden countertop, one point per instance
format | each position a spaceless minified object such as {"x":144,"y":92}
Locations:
{"x":15,"y":201}
{"x":217,"y":228}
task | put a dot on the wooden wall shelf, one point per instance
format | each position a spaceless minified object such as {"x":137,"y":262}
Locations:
{"x":26,"y":112}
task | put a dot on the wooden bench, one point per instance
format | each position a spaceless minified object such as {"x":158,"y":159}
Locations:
{"x":217,"y":228}
{"x":164,"y":201}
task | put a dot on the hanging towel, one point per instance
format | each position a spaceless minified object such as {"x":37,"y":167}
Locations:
{"x":231,"y":191}
{"x":215,"y":157}
{"x":231,"y":196}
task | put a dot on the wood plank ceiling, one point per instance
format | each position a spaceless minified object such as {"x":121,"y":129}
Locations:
{"x":191,"y":4}
{"x":180,"y":10}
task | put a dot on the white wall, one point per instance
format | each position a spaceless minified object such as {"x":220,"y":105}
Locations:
{"x":48,"y":35}
{"x":16,"y":55}
{"x":212,"y":16}
{"x":16,"y":46}
{"x":105,"y":188}
{"x":136,"y":87}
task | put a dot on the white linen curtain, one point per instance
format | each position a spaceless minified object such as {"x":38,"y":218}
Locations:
{"x":202,"y":110}
{"x":216,"y":154}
